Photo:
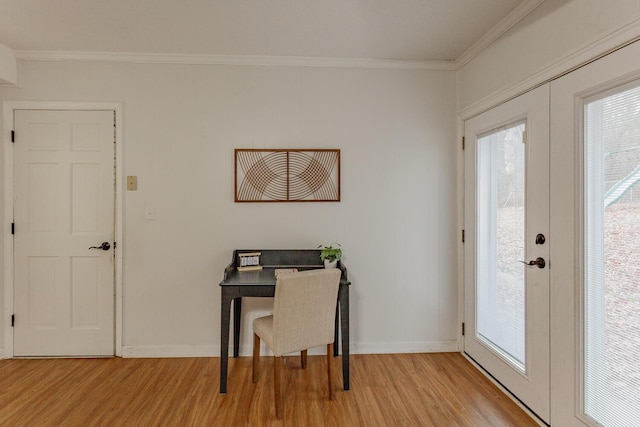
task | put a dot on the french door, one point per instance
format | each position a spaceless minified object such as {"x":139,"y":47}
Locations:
{"x":554,"y":176}
{"x":595,"y":216}
{"x":507,"y":246}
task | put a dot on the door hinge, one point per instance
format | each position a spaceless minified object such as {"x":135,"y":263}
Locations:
{"x":463,"y":142}
{"x":462,"y":328}
{"x":524,"y":136}
{"x":13,"y":228}
{"x":462,"y":236}
{"x":13,"y":136}
{"x":13,"y":320}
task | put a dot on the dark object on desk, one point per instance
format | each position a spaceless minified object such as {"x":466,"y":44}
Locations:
{"x":261,"y":283}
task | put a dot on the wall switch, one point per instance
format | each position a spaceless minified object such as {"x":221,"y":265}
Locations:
{"x":132,"y":183}
{"x":149,"y":213}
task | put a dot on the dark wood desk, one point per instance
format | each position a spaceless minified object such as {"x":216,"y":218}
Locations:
{"x":261,"y":283}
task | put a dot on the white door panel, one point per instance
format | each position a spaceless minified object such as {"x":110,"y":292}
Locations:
{"x":63,"y":204}
{"x":506,"y":207}
{"x":580,"y":205}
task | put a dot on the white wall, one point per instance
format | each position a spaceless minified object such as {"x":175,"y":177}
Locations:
{"x":396,"y":221}
{"x":8,"y":66}
{"x":556,"y":31}
{"x":396,"y":129}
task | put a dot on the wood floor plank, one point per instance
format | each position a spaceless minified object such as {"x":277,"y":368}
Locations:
{"x":434,"y":389}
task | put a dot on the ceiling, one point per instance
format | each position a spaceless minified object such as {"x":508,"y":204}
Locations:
{"x":410,"y":30}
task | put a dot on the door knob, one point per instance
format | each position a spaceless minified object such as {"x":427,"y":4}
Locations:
{"x":538,"y":261}
{"x":105,"y":246}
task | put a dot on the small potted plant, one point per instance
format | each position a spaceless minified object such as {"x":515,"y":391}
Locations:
{"x":330,"y":255}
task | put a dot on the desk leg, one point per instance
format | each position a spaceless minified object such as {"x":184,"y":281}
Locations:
{"x":344,"y":323}
{"x":336,"y":330}
{"x":225,"y":320}
{"x":237,"y":315}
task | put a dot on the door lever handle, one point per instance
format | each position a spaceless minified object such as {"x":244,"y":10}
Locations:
{"x":105,"y":246}
{"x":540,"y":262}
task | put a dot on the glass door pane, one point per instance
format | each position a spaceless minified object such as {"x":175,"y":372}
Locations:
{"x":500,"y":289}
{"x":612,"y":259}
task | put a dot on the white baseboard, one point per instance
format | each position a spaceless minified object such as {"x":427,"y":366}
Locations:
{"x":405,"y":347}
{"x":170,"y":351}
{"x":246,"y":349}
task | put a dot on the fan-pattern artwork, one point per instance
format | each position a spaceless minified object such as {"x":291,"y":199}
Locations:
{"x":287,"y":175}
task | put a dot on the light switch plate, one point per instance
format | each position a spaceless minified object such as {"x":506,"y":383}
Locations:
{"x":132,"y":183}
{"x":149,"y":213}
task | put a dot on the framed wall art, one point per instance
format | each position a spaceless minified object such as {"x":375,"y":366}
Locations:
{"x":287,"y":175}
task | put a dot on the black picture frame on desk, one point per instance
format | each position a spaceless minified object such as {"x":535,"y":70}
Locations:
{"x":261,"y":283}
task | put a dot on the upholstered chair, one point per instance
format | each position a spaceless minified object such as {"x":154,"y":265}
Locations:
{"x":303,"y":317}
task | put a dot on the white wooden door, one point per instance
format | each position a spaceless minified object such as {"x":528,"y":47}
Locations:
{"x":63,"y":205}
{"x":506,"y":223}
{"x":595,"y":306}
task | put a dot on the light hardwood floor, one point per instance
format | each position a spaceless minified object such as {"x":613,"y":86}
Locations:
{"x":436,"y":389}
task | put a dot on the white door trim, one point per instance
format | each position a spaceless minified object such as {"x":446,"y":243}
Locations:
{"x":7,"y":215}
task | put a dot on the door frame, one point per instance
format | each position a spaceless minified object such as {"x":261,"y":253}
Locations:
{"x":7,"y":215}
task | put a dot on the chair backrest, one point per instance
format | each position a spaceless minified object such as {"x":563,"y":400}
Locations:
{"x":304,"y":310}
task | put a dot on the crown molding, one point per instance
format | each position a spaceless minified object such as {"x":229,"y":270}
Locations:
{"x":287,"y":61}
{"x":499,"y":29}
{"x":246,"y":60}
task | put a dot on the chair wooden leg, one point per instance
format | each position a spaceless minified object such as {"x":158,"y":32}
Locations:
{"x":277,"y":368}
{"x":256,"y":358}
{"x":303,"y":359}
{"x":329,"y":360}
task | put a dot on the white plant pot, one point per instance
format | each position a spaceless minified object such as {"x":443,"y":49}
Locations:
{"x":330,"y":264}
